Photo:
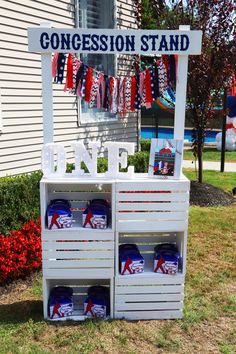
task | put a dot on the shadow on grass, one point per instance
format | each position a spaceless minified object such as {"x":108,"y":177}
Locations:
{"x":22,"y":311}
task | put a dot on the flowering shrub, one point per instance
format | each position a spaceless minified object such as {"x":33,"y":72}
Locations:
{"x":20,"y":252}
{"x":19,"y":200}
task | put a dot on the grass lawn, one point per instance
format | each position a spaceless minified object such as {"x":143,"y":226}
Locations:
{"x":225,"y":180}
{"x":209,"y":319}
{"x":211,"y":154}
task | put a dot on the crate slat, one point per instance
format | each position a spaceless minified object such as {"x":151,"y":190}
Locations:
{"x":148,"y":197}
{"x":142,"y":226}
{"x":152,"y":216}
{"x":136,"y":306}
{"x":149,"y":315}
{"x":47,"y":255}
{"x":78,"y":235}
{"x":181,"y":206}
{"x":95,"y":245}
{"x":157,"y":289}
{"x":85,"y":273}
{"x":157,"y":185}
{"x":149,"y":279}
{"x":57,"y":264}
{"x":141,"y":298}
{"x":79,"y":196}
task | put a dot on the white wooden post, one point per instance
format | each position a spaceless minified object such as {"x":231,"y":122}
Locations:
{"x":47,"y":93}
{"x":181,"y":87}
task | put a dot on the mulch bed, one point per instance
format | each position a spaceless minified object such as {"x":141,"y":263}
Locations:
{"x":203,"y":194}
{"x":15,"y":291}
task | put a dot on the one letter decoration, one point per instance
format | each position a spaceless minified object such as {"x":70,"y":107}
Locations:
{"x":81,"y":154}
{"x":54,"y":160}
{"x":115,"y":159}
{"x":48,"y":158}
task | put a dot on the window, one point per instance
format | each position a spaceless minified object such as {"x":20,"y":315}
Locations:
{"x":96,"y":14}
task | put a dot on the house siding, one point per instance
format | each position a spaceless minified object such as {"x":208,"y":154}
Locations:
{"x":21,"y":137}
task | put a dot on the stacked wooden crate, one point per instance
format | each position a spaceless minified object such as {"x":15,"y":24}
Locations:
{"x":145,"y":211}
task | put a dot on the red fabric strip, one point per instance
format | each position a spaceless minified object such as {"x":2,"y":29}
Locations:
{"x":69,"y":73}
{"x":88,"y":84}
{"x":165,"y":61}
{"x":148,"y":87}
{"x":111,"y":89}
{"x":229,"y":126}
{"x":54,"y":65}
{"x":133,"y":92}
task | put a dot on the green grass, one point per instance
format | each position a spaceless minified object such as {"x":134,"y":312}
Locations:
{"x":225,"y":180}
{"x":211,"y":154}
{"x":209,"y":297}
{"x":209,"y":310}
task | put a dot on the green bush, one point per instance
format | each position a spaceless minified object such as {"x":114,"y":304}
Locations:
{"x":140,"y":161}
{"x":101,"y":166}
{"x":19,"y":195}
{"x":19,"y":201}
{"x":145,"y":144}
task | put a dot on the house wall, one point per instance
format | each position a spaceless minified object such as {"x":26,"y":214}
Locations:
{"x":21,"y":135}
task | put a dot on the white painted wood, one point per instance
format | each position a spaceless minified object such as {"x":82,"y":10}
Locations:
{"x":74,"y":236}
{"x":182,"y":206}
{"x":150,"y":278}
{"x":139,"y":47}
{"x":88,"y":273}
{"x":95,"y":264}
{"x":184,"y":251}
{"x":47,"y":95}
{"x":80,"y":196}
{"x":152,"y":216}
{"x":149,"y":315}
{"x":147,"y":197}
{"x":146,"y":242}
{"x":43,"y":199}
{"x":67,"y":184}
{"x":146,"y":295}
{"x":147,"y":306}
{"x":140,"y":298}
{"x":46,"y":291}
{"x":80,"y":288}
{"x":181,"y":91}
{"x":156,"y":186}
{"x":77,"y":255}
{"x":144,"y":226}
{"x":150,"y":289}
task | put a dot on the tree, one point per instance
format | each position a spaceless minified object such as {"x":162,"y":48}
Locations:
{"x":208,"y":74}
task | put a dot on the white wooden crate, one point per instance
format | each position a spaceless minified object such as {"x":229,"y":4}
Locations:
{"x":146,"y":241}
{"x":145,"y":212}
{"x":88,"y":253}
{"x":79,"y":194}
{"x":152,"y":205}
{"x":148,"y":296}
{"x":80,"y":288}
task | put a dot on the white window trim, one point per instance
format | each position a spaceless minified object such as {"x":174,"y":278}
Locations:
{"x":89,"y":118}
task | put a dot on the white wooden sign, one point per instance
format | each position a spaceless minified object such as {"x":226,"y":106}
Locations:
{"x":114,"y":41}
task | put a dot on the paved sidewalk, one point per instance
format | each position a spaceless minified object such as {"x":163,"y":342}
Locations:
{"x":211,"y":165}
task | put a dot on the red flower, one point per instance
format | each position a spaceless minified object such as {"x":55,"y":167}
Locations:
{"x":20,"y":252}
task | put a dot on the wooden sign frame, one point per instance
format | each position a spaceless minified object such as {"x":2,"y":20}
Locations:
{"x":46,"y":40}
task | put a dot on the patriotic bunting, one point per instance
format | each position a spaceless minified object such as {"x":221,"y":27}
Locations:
{"x":116,"y":95}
